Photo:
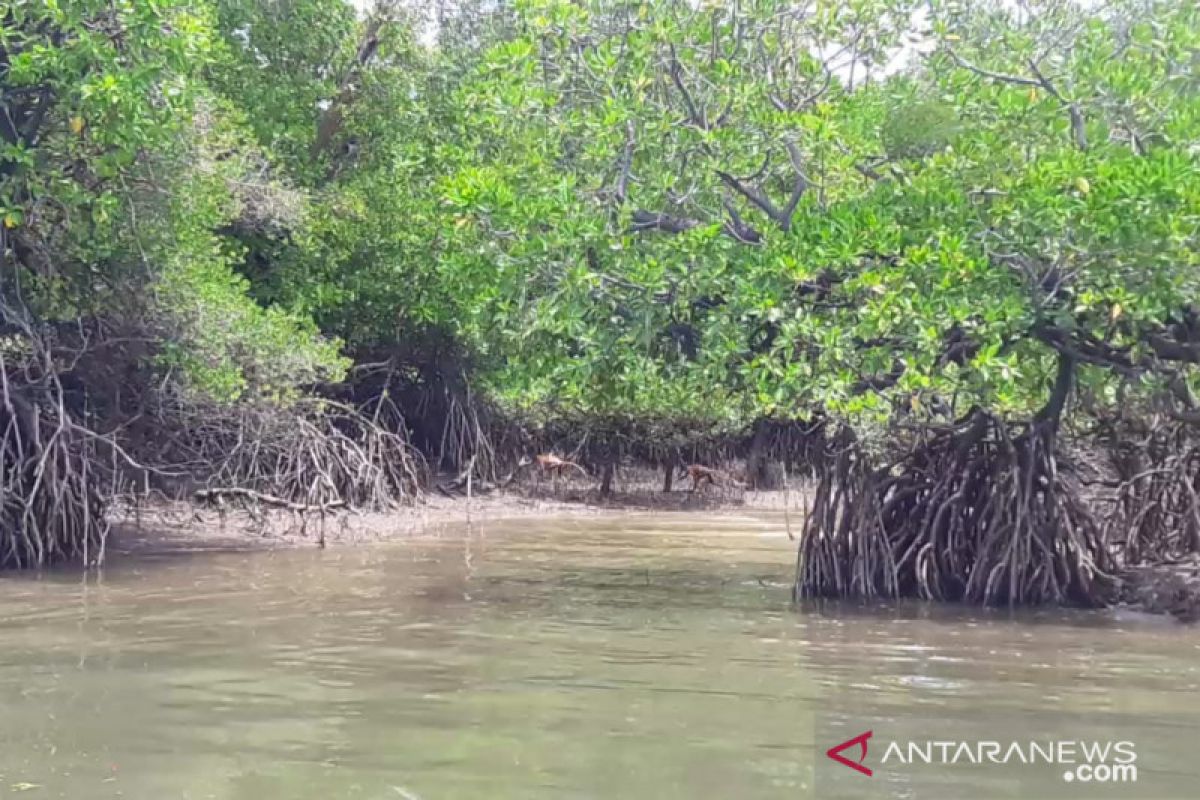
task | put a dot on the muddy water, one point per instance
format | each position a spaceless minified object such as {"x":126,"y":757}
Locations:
{"x":631,"y":657}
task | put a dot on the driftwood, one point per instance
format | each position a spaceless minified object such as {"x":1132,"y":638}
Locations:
{"x":216,"y":495}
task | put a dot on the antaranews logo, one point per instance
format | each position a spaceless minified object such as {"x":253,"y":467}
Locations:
{"x":1084,"y":761}
{"x":835,"y":753}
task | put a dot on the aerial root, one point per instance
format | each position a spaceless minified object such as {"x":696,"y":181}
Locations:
{"x":319,"y":456}
{"x":1155,"y":514}
{"x":52,"y":507}
{"x":972,"y":514}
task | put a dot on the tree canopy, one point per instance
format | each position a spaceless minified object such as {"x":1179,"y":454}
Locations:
{"x":697,"y":210}
{"x":703,"y":206}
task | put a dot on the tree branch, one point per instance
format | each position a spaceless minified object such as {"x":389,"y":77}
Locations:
{"x":1172,"y":350}
{"x":331,"y":119}
{"x":1078,"y":129}
{"x":626,"y":164}
{"x":753,"y":195}
{"x":737,"y":227}
{"x":214,"y":495}
{"x":645,"y":221}
{"x":806,"y":101}
{"x":996,"y":76}
{"x":1063,"y":381}
{"x":651,"y":221}
{"x":695,"y":114}
{"x":801,"y":185}
{"x":780,"y":216}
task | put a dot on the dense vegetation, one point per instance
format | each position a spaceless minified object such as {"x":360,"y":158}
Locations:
{"x":943,"y":252}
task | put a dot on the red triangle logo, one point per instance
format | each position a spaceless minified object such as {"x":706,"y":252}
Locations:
{"x":835,"y":753}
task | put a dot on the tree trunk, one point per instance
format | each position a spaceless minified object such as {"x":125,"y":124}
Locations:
{"x":761,"y":473}
{"x":606,"y":481}
{"x":668,"y":475}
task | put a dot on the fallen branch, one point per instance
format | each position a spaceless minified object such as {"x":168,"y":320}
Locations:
{"x":215,"y":495}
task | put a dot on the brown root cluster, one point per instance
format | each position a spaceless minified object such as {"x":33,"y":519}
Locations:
{"x":974,"y":513}
{"x":52,"y":507}
{"x":1155,"y":515}
{"x":69,"y":451}
{"x":320,"y":455}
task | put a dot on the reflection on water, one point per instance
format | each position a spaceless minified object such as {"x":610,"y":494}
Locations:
{"x":628,"y":657}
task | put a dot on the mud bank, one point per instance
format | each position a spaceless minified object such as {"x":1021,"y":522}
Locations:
{"x":1165,"y":589}
{"x":186,"y":527}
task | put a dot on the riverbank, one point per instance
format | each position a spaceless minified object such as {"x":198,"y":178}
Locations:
{"x":181,"y":527}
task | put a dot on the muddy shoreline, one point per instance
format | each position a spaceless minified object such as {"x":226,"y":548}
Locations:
{"x":166,"y":528}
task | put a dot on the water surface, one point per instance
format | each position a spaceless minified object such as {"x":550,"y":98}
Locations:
{"x":615,"y":657}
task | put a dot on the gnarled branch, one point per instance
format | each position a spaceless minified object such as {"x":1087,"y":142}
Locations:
{"x":780,"y":216}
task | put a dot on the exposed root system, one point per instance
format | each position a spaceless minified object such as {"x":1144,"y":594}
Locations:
{"x":322,"y":456}
{"x":51,"y":504}
{"x":974,"y":514}
{"x":1156,"y":509}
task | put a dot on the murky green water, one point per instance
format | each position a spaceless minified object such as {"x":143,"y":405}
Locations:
{"x":633,"y":657}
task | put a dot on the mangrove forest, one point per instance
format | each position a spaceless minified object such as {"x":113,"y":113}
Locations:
{"x":939,"y":258}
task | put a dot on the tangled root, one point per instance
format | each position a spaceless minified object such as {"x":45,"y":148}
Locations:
{"x":321,"y":455}
{"x":974,"y":514}
{"x":1156,"y":510}
{"x":51,"y":504}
